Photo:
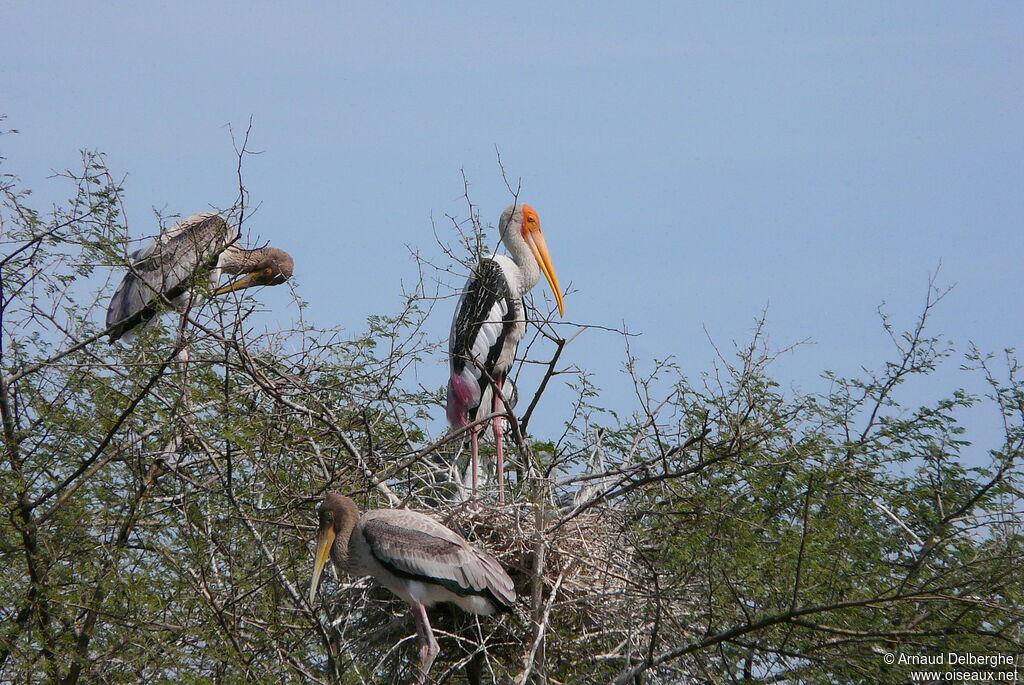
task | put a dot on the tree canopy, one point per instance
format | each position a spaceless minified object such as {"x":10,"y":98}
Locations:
{"x":159,"y":506}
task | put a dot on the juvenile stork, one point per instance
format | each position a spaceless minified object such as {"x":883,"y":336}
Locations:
{"x":167,"y":268}
{"x":415,"y":557}
{"x":489,"y":322}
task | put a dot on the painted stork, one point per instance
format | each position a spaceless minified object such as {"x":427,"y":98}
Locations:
{"x":416,"y":558}
{"x":489,"y":322}
{"x":168,"y":265}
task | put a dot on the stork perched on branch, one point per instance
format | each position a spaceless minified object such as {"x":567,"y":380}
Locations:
{"x":489,"y":322}
{"x":416,"y":558}
{"x":167,"y":268}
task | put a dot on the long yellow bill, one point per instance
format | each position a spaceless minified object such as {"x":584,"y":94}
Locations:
{"x":246,"y":281}
{"x":324,"y":542}
{"x":536,"y":241}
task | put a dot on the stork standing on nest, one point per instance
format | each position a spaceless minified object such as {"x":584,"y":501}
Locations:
{"x":489,"y":322}
{"x":415,"y":557}
{"x":166,"y":268}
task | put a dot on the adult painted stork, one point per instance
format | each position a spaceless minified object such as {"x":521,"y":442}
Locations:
{"x":489,"y":322}
{"x":416,"y":558}
{"x":168,"y":265}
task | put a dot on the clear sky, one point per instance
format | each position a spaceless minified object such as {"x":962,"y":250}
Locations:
{"x":691,"y":163}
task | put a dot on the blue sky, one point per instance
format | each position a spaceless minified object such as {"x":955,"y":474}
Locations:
{"x":692,"y":163}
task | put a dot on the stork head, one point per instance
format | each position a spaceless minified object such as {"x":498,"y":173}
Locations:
{"x":522,"y":222}
{"x":273,"y":266}
{"x":337,"y":514}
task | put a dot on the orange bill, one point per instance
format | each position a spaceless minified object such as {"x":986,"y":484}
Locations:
{"x":535,"y":239}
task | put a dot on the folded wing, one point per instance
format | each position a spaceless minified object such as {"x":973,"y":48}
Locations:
{"x":416,"y":547}
{"x":482,"y":320}
{"x":165,"y":267}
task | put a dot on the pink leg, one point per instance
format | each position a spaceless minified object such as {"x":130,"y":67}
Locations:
{"x":184,"y":320}
{"x":498,"y":423}
{"x":428,"y":645}
{"x":181,"y":332}
{"x":183,"y":354}
{"x":474,"y":450}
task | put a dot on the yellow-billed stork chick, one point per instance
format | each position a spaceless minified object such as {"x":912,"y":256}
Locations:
{"x":166,"y":268}
{"x":413,"y":556}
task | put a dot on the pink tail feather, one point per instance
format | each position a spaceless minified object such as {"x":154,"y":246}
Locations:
{"x":462,"y":398}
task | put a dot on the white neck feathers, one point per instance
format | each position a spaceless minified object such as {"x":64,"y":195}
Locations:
{"x":511,"y":228}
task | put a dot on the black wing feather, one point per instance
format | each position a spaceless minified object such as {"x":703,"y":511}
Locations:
{"x":485,"y":316}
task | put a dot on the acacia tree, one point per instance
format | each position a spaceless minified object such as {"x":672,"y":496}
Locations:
{"x":159,"y":512}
